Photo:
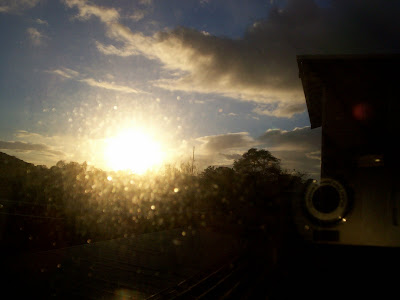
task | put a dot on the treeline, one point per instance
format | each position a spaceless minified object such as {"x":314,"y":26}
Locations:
{"x":72,"y":203}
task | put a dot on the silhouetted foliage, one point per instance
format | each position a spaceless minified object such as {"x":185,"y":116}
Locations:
{"x":250,"y":192}
{"x":72,"y":203}
{"x":258,"y":162}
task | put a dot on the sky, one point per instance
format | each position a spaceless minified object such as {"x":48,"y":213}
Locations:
{"x":79,"y":78}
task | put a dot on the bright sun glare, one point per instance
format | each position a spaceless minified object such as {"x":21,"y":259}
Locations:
{"x":133,"y":150}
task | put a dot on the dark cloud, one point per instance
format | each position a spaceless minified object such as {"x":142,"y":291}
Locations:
{"x":345,"y":26}
{"x":262,"y":66}
{"x":218,"y":143}
{"x":298,"y":139}
{"x":25,"y":147}
{"x":231,"y":156}
{"x":297,"y":149}
{"x":280,"y":109}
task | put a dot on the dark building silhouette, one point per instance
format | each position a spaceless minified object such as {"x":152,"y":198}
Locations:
{"x":355,"y":99}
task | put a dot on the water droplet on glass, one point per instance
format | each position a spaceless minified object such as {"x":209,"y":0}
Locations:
{"x":176,"y":242}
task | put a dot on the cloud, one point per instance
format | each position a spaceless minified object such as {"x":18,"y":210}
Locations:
{"x":32,"y":141}
{"x":260,"y":67}
{"x":72,"y":74}
{"x":301,"y":139}
{"x":26,"y":134}
{"x":280,"y":109}
{"x":298,"y":148}
{"x":109,"y":86}
{"x":233,"y":68}
{"x":215,"y":149}
{"x":146,"y":2}
{"x":204,"y":2}
{"x":210,"y":65}
{"x":314,"y":155}
{"x":35,"y":36}
{"x":41,"y":22}
{"x":137,"y":15}
{"x":298,"y":139}
{"x":86,"y":10}
{"x":232,"y":157}
{"x":141,"y":9}
{"x":65,"y":72}
{"x":218,"y":143}
{"x":16,"y":7}
{"x":37,"y":148}
{"x":26,"y":147}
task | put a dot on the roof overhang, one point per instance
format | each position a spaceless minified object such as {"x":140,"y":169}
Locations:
{"x":344,"y":72}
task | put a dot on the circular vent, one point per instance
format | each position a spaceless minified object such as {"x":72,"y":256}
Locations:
{"x":326,"y":202}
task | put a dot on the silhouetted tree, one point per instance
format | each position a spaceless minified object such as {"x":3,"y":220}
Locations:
{"x":213,"y":174}
{"x":258,"y":161}
{"x":219,"y":186}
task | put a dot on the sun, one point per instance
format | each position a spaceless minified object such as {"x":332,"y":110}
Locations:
{"x":133,"y":150}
